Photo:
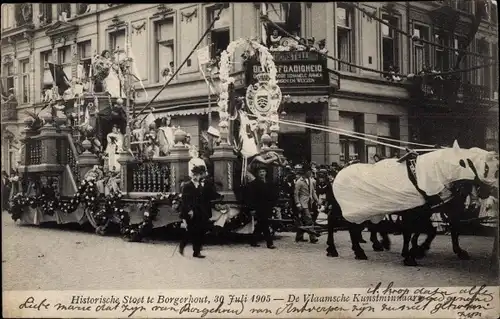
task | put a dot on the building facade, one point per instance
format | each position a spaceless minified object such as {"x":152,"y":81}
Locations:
{"x":159,"y":37}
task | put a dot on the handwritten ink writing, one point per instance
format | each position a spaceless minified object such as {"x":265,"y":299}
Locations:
{"x":106,"y":307}
{"x":205,"y":311}
{"x":31,"y":304}
{"x":291,"y":308}
{"x":359,"y":310}
{"x":260,"y":310}
{"x":132,"y":309}
{"x":61,"y":307}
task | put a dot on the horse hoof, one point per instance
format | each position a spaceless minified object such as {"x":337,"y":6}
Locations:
{"x":361,"y":256}
{"x":386,"y":244}
{"x":408,"y":261}
{"x":333,"y":254}
{"x":417,"y":252}
{"x":378,"y":247}
{"x":405,"y":254}
{"x":463,"y":255}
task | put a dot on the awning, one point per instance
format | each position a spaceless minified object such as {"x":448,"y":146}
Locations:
{"x":195,"y":111}
{"x":300,"y":99}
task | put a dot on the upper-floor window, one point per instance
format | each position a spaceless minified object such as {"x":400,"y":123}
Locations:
{"x":117,"y":41}
{"x":64,"y":11}
{"x":441,"y":56}
{"x":390,"y":43}
{"x":8,"y":79}
{"x":23,"y":14}
{"x":464,"y":5}
{"x":220,"y":36}
{"x":47,"y":80}
{"x":165,"y":50}
{"x":461,"y":44}
{"x":345,"y":36}
{"x":287,"y":15}
{"x":64,"y":59}
{"x":421,"y":54}
{"x":85,"y":59}
{"x":45,"y":14}
{"x":350,"y":148}
{"x":7,"y":16}
{"x":25,"y":81}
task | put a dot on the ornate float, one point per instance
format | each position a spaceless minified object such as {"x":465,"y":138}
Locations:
{"x":87,"y":160}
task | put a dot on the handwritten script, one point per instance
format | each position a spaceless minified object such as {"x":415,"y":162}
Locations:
{"x":381,"y":300}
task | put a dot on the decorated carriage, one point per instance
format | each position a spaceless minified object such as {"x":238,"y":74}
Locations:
{"x":86,"y":160}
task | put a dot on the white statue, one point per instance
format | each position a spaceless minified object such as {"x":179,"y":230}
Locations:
{"x":112,"y":83}
{"x":138,"y":135}
{"x":166,"y":135}
{"x":115,"y":145}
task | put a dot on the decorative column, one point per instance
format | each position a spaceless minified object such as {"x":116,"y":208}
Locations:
{"x":179,"y":168}
{"x":224,"y":159}
{"x":48,"y":138}
{"x":86,"y":160}
{"x":332,"y":147}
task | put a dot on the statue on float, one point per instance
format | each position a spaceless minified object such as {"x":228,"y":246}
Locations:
{"x":107,"y":73}
{"x":166,"y":137}
{"x":115,"y":145}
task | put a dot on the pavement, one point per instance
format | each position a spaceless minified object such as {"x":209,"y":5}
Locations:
{"x":51,"y":258}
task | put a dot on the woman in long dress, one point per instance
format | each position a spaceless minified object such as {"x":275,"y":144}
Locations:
{"x":166,"y":136}
{"x":112,"y":83}
{"x":115,"y":145}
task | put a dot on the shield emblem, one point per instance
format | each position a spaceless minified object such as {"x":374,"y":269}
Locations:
{"x":262,"y":101}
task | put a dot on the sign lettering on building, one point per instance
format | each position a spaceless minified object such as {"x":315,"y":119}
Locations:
{"x":294,"y":69}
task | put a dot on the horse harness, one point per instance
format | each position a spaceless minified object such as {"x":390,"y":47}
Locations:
{"x":430,"y":201}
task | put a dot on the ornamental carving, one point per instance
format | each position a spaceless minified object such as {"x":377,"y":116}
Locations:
{"x":138,"y":28}
{"x":189,"y":16}
{"x":262,"y":98}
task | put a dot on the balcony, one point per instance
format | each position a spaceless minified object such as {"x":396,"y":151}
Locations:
{"x":445,"y":91}
{"x":446,"y":15}
{"x":23,"y":26}
{"x":9,"y":111}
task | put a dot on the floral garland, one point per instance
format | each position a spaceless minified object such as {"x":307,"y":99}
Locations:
{"x":266,"y":61}
{"x":89,"y":196}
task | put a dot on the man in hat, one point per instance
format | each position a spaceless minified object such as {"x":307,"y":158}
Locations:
{"x":264,"y":197}
{"x":305,"y":196}
{"x":195,"y":210}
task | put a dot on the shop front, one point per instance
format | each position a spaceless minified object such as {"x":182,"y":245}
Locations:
{"x":306,"y":85}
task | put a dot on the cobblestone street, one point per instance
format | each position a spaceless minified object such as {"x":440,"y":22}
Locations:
{"x":37,"y":258}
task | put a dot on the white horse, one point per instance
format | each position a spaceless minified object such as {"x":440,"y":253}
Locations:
{"x":367,"y":192}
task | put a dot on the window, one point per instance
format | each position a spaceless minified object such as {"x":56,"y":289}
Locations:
{"x":421,"y":50}
{"x":390,"y":43}
{"x":460,"y":43}
{"x":345,"y":37}
{"x":23,"y":14}
{"x":165,"y":56}
{"x":85,"y":59}
{"x":387,"y":127}
{"x":82,"y":8}
{"x":64,"y":59}
{"x":8,"y":79}
{"x":64,"y":7}
{"x":442,"y":60}
{"x":219,"y":36}
{"x":288,"y":15}
{"x":483,"y":48}
{"x":25,"y":81}
{"x":350,"y":148}
{"x":117,"y":41}
{"x":47,"y":75}
{"x":45,"y":13}
{"x":7,"y":16}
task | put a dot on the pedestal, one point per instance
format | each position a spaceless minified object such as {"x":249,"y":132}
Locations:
{"x":86,"y":161}
{"x":124,"y":158}
{"x":179,"y":168}
{"x":48,"y":139}
{"x":27,"y":134}
{"x":223,"y":161}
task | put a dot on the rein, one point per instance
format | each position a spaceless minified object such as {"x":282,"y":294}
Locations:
{"x":430,"y":201}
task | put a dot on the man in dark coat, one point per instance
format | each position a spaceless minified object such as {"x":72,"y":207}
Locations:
{"x":196,"y":210}
{"x":334,"y":216}
{"x":264,"y":197}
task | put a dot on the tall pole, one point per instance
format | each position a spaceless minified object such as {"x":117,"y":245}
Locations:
{"x":209,"y":105}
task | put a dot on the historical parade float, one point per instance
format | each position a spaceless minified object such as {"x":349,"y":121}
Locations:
{"x":88,"y":158}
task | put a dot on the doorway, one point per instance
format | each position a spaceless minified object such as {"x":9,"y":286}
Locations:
{"x":296,"y":147}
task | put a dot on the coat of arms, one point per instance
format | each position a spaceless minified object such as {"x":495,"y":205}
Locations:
{"x":261,"y":98}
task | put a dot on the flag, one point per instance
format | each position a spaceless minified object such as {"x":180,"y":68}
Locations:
{"x":203,"y":55}
{"x":59,"y":77}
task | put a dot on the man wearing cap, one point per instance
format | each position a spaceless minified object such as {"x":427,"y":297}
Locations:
{"x":195,"y":210}
{"x":264,"y":197}
{"x":305,"y":196}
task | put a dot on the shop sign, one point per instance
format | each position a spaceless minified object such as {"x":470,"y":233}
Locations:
{"x":294,"y":69}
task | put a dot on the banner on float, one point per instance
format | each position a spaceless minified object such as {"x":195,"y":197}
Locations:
{"x":378,"y":301}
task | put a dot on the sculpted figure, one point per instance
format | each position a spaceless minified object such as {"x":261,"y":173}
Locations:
{"x":166,"y":136}
{"x":115,"y":145}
